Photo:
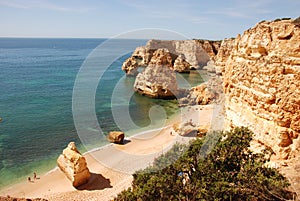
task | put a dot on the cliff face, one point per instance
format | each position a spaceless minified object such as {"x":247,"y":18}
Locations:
{"x":195,"y":54}
{"x":223,"y":54}
{"x":193,"y":51}
{"x":262,"y":84}
{"x":211,"y":47}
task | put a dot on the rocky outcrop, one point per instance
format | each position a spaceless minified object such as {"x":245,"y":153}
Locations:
{"x":130,"y":66}
{"x":196,"y":53}
{"x":191,"y":49}
{"x":262,"y":85}
{"x":162,"y":57}
{"x":211,"y":47}
{"x":205,"y":93}
{"x":116,"y":137}
{"x":73,"y":164}
{"x":224,"y":52}
{"x":186,"y":129}
{"x":201,"y":94}
{"x":139,"y":58}
{"x":157,"y":81}
{"x":181,"y":65}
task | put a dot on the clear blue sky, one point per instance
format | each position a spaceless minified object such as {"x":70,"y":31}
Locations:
{"x":209,"y":19}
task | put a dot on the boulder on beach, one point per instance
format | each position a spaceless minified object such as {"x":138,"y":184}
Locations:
{"x":74,"y":165}
{"x":116,"y":137}
{"x":187,"y":128}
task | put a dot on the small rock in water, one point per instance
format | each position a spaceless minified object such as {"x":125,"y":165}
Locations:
{"x":0,"y":119}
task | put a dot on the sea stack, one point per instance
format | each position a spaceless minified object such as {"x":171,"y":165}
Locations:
{"x":157,"y":81}
{"x":74,"y":165}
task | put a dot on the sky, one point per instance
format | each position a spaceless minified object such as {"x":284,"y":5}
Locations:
{"x":210,"y":19}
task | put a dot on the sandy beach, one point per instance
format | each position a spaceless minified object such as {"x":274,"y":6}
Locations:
{"x":112,"y":166}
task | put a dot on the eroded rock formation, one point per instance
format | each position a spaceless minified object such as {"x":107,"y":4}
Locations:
{"x":181,"y":65}
{"x":139,"y":58}
{"x":262,"y":85}
{"x":191,"y":49}
{"x":157,"y":81}
{"x":130,"y":66}
{"x":205,"y":93}
{"x":201,"y":94}
{"x":224,"y":52}
{"x":211,"y":47}
{"x":162,"y":56}
{"x":196,"y":54}
{"x":73,"y":164}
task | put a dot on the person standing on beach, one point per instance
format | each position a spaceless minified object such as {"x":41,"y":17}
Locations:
{"x":34,"y":176}
{"x":29,"y":179}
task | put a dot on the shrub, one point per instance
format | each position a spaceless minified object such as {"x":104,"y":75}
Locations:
{"x":228,"y":171}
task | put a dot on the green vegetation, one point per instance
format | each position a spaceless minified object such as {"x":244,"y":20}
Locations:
{"x":280,"y":19}
{"x":229,"y":172}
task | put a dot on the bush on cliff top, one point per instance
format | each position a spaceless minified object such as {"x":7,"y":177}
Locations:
{"x":229,"y":172}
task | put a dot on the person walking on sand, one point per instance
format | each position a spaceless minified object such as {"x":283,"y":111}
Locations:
{"x":34,"y":176}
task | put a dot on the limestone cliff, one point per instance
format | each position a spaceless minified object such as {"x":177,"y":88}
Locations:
{"x":211,"y":47}
{"x":195,"y":53}
{"x":223,"y":54}
{"x":262,"y":84}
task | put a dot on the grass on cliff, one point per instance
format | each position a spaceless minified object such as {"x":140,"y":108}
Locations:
{"x":229,"y":172}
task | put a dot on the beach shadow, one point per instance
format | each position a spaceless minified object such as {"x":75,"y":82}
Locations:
{"x":192,"y":133}
{"x":96,"y":182}
{"x":125,"y":141}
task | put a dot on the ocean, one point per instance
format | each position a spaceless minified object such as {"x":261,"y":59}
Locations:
{"x":41,"y":110}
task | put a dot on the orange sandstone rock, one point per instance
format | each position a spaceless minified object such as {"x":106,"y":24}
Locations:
{"x":262,"y":84}
{"x":73,"y":164}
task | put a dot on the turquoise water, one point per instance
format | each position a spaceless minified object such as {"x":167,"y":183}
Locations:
{"x":36,"y":86}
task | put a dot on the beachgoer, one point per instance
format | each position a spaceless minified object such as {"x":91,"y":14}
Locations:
{"x":171,"y":133}
{"x":29,"y":179}
{"x":34,"y":176}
